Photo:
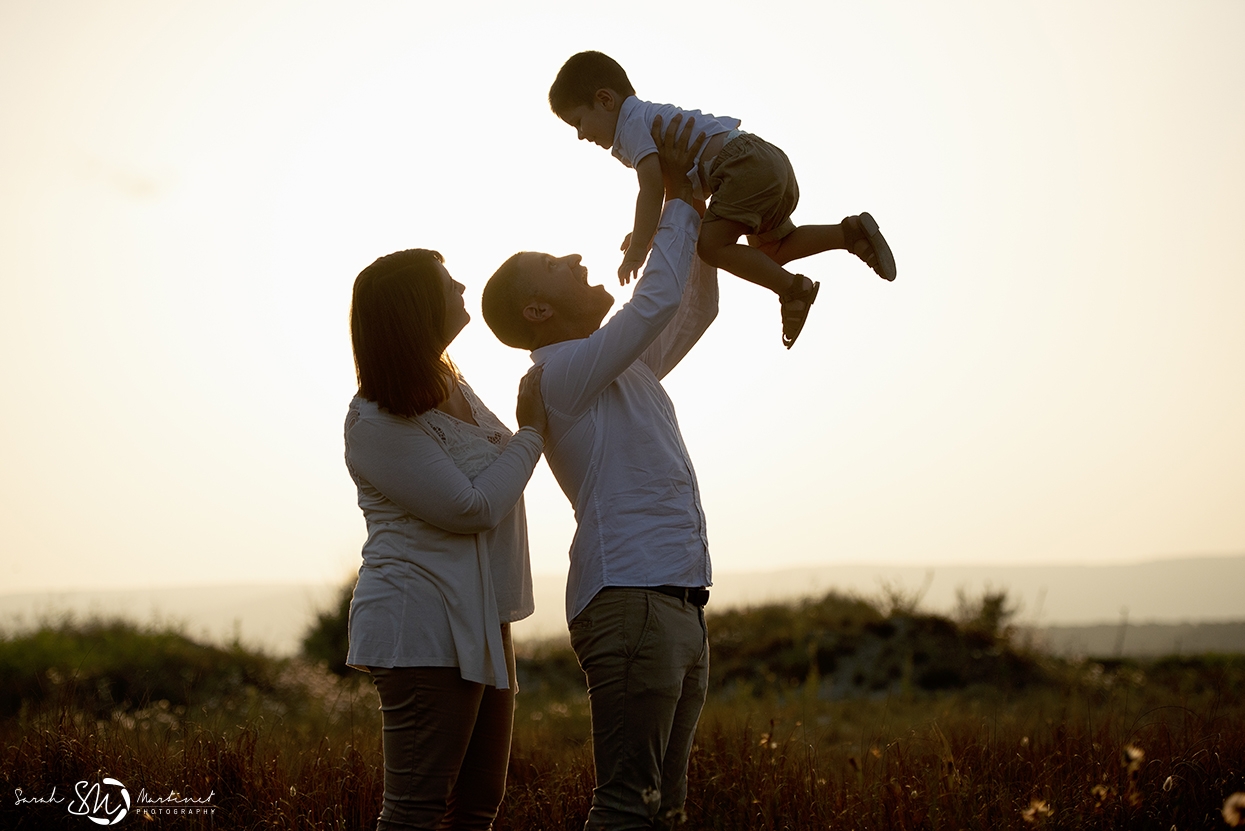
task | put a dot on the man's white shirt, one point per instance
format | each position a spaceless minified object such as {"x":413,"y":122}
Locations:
{"x":613,"y":440}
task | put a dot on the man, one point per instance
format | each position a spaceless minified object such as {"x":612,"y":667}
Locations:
{"x":639,"y":566}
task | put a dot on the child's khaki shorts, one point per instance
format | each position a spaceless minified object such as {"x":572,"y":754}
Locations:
{"x":752,"y":183}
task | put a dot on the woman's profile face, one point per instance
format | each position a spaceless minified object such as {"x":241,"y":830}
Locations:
{"x":456,"y":316}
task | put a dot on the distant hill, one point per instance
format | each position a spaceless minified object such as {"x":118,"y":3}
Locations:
{"x":271,"y":617}
{"x":1166,"y":606}
{"x":1145,"y":640}
{"x":1194,"y":590}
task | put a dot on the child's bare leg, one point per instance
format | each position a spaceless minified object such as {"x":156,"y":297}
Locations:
{"x":858,"y":234}
{"x":804,"y":241}
{"x":718,"y":245}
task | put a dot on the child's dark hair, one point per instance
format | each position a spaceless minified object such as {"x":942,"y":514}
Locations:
{"x":581,"y":76}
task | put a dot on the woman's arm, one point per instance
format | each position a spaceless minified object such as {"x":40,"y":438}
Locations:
{"x":413,"y":471}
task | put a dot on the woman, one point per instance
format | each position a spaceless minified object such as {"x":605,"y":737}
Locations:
{"x":445,"y":566}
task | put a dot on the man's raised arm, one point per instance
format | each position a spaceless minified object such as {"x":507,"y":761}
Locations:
{"x":698,"y":309}
{"x":575,"y":379}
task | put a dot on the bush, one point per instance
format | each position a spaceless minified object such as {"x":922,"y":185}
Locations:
{"x":106,"y":665}
{"x":842,"y":647}
{"x":836,"y":647}
{"x":328,"y":639}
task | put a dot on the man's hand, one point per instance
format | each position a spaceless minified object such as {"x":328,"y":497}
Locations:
{"x":676,"y":156}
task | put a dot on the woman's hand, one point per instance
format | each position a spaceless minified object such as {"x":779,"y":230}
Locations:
{"x":530,"y":410}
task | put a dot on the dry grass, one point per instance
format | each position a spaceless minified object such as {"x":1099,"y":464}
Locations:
{"x":1120,"y":758}
{"x":263,"y":766}
{"x":1096,"y":746}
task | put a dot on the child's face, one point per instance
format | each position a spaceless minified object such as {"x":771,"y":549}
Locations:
{"x":595,"y":123}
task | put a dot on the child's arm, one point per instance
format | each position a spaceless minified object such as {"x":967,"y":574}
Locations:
{"x":647,"y":214}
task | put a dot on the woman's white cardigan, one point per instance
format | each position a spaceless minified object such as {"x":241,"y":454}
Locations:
{"x":437,"y":542}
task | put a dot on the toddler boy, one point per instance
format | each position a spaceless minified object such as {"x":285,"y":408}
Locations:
{"x":749,"y":183}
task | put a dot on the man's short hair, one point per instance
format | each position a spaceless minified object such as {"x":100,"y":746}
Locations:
{"x":581,"y":76}
{"x":505,"y":294}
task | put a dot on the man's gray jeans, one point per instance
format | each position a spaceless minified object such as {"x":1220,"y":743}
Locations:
{"x":646,"y":657}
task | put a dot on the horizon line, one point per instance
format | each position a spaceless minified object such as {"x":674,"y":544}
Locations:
{"x":311,"y":583}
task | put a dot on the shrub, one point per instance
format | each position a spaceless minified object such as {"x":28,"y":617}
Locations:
{"x":328,"y":639}
{"x":106,"y":665}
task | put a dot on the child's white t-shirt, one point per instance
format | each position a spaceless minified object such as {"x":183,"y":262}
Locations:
{"x":633,"y":137}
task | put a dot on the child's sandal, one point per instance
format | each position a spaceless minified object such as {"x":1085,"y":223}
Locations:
{"x":865,"y":241}
{"x":793,"y":321}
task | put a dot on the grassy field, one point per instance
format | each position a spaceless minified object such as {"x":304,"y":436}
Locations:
{"x":824,"y":716}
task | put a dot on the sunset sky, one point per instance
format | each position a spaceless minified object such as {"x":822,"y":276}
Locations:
{"x":187,"y":191}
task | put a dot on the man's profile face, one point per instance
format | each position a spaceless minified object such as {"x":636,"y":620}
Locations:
{"x":562,"y":282}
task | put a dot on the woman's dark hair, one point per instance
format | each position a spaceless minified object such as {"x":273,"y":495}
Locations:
{"x":397,"y":329}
